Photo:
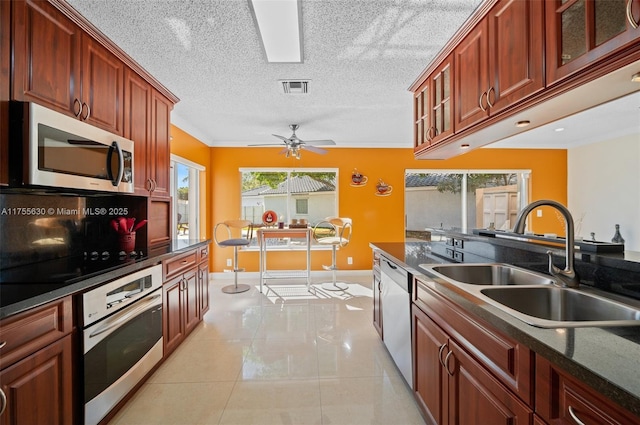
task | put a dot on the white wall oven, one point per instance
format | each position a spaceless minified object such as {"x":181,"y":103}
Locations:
{"x":122,"y":338}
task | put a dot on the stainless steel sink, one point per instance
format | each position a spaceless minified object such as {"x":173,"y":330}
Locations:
{"x":554,"y":307}
{"x":490,"y":274}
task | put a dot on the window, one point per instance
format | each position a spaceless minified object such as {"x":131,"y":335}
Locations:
{"x":293,"y":194}
{"x":463,"y":200}
{"x":185,"y":180}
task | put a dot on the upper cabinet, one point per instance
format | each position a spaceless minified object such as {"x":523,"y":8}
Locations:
{"x":513,"y":57}
{"x":5,"y":59}
{"x":581,"y":32}
{"x":500,"y":62}
{"x":79,"y":77}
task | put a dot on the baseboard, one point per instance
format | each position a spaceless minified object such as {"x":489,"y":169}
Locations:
{"x":340,"y":274}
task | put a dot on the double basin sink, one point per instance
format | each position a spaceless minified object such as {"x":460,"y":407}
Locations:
{"x":536,"y":298}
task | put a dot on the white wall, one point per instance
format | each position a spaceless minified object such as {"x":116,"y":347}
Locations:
{"x":604,"y":189}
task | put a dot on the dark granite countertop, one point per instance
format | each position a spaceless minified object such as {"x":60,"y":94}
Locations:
{"x":16,"y":297}
{"x":606,"y":359}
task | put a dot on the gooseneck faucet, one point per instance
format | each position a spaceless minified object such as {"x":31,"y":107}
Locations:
{"x":568,"y":276}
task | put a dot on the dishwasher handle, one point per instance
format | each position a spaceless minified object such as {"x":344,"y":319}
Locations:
{"x":398,"y":274}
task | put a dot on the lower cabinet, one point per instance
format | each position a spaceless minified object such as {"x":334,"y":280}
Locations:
{"x":452,"y":387}
{"x":180,"y":309}
{"x":561,"y":399}
{"x":36,"y":362}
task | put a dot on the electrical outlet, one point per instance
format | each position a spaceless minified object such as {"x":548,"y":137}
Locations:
{"x":349,"y":260}
{"x":229,"y":264}
{"x":539,"y":213}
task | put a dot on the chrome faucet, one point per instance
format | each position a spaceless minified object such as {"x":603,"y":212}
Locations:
{"x":568,"y":276}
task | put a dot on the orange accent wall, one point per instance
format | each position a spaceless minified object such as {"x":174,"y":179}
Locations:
{"x":375,"y":219}
{"x":188,"y":147}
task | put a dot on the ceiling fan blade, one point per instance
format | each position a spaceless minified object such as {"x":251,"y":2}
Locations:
{"x":283,"y":151}
{"x":266,"y":144}
{"x":281,"y":137}
{"x":314,"y":149}
{"x":320,"y":142}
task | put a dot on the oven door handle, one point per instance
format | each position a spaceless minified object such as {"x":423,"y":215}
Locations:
{"x":108,"y":324}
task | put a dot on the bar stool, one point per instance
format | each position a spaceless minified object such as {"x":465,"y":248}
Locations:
{"x":234,"y":227}
{"x":336,"y":232}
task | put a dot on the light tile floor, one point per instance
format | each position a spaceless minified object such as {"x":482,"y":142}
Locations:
{"x":282,"y":357}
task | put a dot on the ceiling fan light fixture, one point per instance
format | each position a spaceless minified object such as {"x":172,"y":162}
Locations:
{"x":279,"y":23}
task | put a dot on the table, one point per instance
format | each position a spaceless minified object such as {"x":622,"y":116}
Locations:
{"x":275,"y":233}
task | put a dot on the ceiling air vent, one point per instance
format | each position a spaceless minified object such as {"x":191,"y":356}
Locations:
{"x":295,"y":86}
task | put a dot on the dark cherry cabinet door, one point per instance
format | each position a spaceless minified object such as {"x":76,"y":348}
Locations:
{"x":172,"y":314}
{"x":191,"y":300}
{"x":47,"y":70}
{"x":159,"y":152}
{"x":476,"y":397}
{"x":472,"y":77}
{"x":582,"y":32}
{"x":137,"y":124}
{"x":516,"y":52}
{"x":500,"y":62}
{"x":102,"y":87}
{"x":430,"y":378}
{"x":5,"y":90}
{"x":38,"y":389}
{"x":203,"y":293}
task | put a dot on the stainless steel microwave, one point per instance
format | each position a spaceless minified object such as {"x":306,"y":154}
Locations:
{"x":51,"y":149}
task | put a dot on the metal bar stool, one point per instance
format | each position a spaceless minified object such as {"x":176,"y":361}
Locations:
{"x":234,"y":227}
{"x":336,"y":232}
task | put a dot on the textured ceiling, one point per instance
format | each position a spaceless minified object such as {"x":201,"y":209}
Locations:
{"x":361,"y":57}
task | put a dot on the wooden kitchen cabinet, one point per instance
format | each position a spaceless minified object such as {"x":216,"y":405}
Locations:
{"x":36,"y":365}
{"x":580,"y":33}
{"x":464,"y":371}
{"x":79,"y":77}
{"x":561,"y":399}
{"x":180,"y":309}
{"x":185,"y":297}
{"x":452,"y":387}
{"x":500,"y":62}
{"x":5,"y":90}
{"x":38,"y":389}
{"x":203,"y":281}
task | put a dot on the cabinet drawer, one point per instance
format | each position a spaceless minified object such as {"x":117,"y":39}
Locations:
{"x":508,"y":360}
{"x":561,"y":400}
{"x":27,"y":332}
{"x":179,"y":264}
{"x":203,"y":253}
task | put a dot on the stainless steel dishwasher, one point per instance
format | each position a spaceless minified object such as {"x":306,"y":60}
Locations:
{"x":396,"y":315}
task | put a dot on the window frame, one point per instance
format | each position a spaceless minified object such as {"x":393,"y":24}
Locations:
{"x":195,"y":171}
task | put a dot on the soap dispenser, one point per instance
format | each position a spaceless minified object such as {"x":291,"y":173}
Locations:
{"x":617,"y":238}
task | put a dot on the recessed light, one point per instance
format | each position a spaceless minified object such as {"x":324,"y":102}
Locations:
{"x":464,"y":146}
{"x":523,"y":123}
{"x":559,"y":129}
{"x":636,"y":77}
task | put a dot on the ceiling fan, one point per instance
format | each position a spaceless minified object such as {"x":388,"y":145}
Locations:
{"x":294,"y":145}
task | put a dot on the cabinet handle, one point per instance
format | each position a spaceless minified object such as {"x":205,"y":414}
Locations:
{"x":2,"y":344}
{"x":3,"y":401}
{"x":440,"y":351}
{"x":630,"y":18}
{"x":574,"y":416}
{"x":184,"y":261}
{"x":480,"y":101}
{"x":77,"y":102}
{"x":446,"y":363}
{"x":155,"y":185}
{"x":86,"y":117}
{"x":491,"y":89}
